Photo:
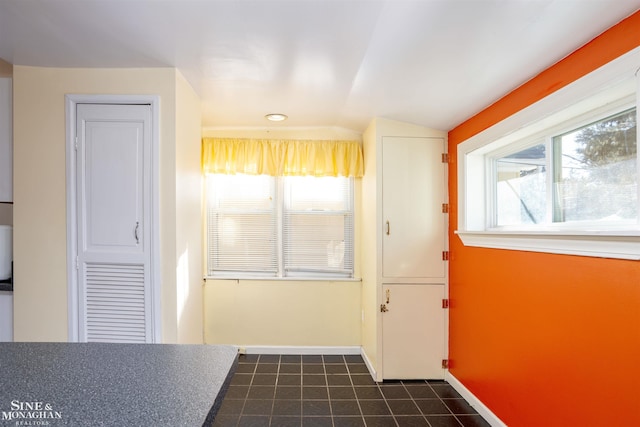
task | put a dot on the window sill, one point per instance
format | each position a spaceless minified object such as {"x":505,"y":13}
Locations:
{"x":285,"y":279}
{"x":607,"y":244}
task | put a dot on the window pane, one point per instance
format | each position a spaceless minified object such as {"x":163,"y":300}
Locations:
{"x":241,"y":224}
{"x":596,"y":172}
{"x":318,"y":226}
{"x":521,"y":187}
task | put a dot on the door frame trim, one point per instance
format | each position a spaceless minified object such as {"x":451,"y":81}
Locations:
{"x":71,"y":101}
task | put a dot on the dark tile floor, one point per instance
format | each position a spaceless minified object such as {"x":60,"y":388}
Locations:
{"x":293,"y":390}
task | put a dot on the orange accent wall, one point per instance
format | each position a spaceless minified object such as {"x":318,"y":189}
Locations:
{"x":543,"y":339}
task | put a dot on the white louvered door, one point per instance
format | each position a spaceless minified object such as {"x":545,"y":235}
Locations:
{"x":113,"y":214}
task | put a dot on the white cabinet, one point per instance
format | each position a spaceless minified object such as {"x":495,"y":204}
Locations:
{"x":413,"y":190}
{"x":413,"y":332}
{"x":6,"y":141}
{"x":404,"y":271}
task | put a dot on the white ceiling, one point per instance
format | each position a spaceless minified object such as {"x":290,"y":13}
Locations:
{"x":333,"y":63}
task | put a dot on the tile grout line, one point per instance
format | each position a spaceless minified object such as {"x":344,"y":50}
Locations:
{"x":387,"y":403}
{"x":355,"y":393}
{"x":415,"y":403}
{"x":444,"y":403}
{"x":275,"y":387}
{"x":246,"y":396}
{"x":326,"y":380}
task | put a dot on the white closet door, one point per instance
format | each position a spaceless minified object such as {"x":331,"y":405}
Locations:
{"x":413,"y":332}
{"x":413,"y":190}
{"x":114,"y":205}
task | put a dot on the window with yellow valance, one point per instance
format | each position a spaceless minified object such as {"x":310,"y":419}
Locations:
{"x":282,"y":157}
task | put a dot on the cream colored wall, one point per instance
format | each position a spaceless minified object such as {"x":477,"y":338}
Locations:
{"x":40,"y":296}
{"x":370,"y":220}
{"x":286,"y":313}
{"x":279,"y":313}
{"x":188,"y":214}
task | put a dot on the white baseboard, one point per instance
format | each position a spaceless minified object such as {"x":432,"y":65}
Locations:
{"x":275,"y":349}
{"x":480,"y":407}
{"x":367,"y":362}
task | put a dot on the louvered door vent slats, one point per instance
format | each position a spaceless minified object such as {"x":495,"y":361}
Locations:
{"x":115,"y":303}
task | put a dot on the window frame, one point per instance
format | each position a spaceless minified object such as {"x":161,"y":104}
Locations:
{"x":613,"y":87}
{"x":281,"y":274}
{"x":546,"y":138}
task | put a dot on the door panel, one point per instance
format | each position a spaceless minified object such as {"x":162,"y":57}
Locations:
{"x":413,"y":190}
{"x":114,"y":186}
{"x":113,"y":211}
{"x":413,"y":332}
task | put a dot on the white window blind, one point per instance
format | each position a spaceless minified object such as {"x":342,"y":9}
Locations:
{"x":242,"y":225}
{"x":263,"y":226}
{"x":318,"y":226}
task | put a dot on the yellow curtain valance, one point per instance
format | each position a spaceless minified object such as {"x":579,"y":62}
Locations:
{"x":282,"y":157}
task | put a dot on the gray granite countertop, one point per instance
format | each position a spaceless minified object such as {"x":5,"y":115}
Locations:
{"x":91,"y":384}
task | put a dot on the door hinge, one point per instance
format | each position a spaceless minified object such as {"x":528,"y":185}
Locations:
{"x":445,"y":363}
{"x":76,"y":143}
{"x":77,"y":264}
{"x":445,"y":157}
{"x":445,"y":303}
{"x":445,"y":255}
{"x":445,"y":208}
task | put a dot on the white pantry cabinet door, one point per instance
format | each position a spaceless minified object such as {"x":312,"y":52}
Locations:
{"x":413,"y":191}
{"x":113,"y":211}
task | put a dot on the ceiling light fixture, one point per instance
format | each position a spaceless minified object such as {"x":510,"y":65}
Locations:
{"x":276,"y":117}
